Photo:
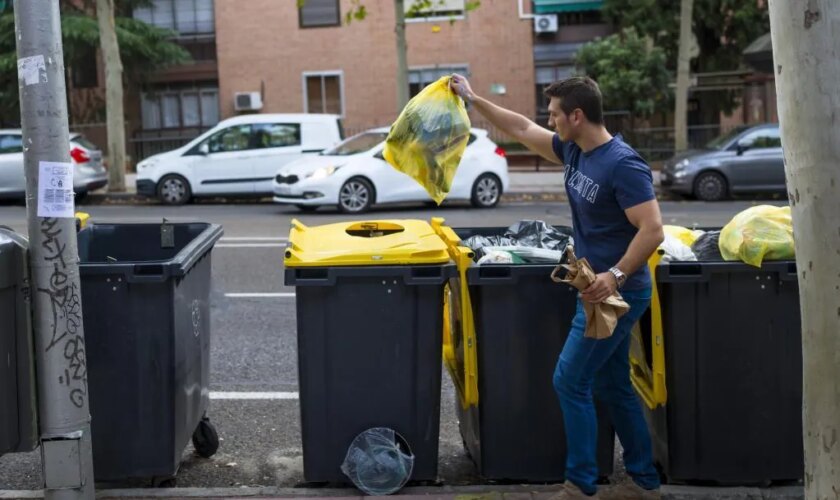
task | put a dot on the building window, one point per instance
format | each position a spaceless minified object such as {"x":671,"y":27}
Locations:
{"x":418,"y":78}
{"x":319,"y":13}
{"x":323,"y":93}
{"x":180,"y":108}
{"x":438,"y":9}
{"x":84,"y":71}
{"x":186,"y":17}
{"x":545,"y":76}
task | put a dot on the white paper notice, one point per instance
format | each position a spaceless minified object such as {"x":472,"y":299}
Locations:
{"x":55,"y":190}
{"x":32,"y":70}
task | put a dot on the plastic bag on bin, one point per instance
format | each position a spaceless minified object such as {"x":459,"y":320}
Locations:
{"x":378,"y":461}
{"x":429,"y":138}
{"x":521,"y":236}
{"x":758,"y":233}
{"x":685,"y":235}
{"x":675,"y":249}
{"x":707,"y":246}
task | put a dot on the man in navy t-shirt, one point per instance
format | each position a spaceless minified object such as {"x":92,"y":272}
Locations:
{"x":617,"y":226}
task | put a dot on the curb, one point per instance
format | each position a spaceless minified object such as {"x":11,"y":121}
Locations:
{"x":475,"y":492}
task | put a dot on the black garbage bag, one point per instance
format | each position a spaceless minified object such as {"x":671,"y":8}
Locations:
{"x":707,"y":246}
{"x":525,"y":233}
{"x":538,"y":234}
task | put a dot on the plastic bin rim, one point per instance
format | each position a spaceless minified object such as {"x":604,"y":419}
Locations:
{"x":179,"y":265}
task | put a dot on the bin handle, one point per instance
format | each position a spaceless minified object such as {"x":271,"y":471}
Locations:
{"x":466,"y":383}
{"x":653,"y":392}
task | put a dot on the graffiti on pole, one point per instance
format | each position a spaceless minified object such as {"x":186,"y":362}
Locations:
{"x":66,"y":309}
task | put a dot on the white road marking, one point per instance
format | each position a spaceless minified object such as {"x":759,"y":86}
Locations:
{"x":252,"y":238}
{"x":253,"y":395}
{"x":250,"y":245}
{"x":249,"y":295}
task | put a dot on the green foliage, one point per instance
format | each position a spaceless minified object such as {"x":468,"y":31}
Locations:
{"x":723,"y":28}
{"x":631,"y":72}
{"x":143,"y":48}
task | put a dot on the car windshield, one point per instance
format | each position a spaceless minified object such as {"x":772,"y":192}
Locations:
{"x":357,"y":144}
{"x":721,"y":141}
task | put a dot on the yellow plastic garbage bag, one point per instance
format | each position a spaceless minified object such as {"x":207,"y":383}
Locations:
{"x":683,"y":234}
{"x":429,"y":138}
{"x":758,"y":233}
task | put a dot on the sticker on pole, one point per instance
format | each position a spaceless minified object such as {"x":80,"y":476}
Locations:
{"x":55,"y":189}
{"x":32,"y":70}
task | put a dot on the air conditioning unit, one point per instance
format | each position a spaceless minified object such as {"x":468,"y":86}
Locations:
{"x":545,"y":23}
{"x":247,"y":101}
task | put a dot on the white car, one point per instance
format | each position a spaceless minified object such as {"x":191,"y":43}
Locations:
{"x":239,"y":156}
{"x":89,"y":174}
{"x":354,"y":176}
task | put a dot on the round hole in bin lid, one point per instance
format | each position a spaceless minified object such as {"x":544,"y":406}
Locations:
{"x":379,"y":461}
{"x":374,"y":229}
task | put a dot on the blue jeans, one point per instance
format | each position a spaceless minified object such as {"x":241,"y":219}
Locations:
{"x":586,"y":364}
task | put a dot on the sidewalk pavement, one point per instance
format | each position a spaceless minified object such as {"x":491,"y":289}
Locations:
{"x":480,"y":492}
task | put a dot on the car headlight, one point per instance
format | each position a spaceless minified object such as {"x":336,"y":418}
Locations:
{"x":681,"y":165}
{"x":323,"y":172}
{"x":146,"y":164}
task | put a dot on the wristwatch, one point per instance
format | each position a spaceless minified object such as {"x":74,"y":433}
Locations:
{"x":620,"y":277}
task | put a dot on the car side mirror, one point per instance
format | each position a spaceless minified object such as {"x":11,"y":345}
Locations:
{"x":744,"y":144}
{"x":204,"y":149}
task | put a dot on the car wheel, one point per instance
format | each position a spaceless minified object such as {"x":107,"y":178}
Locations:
{"x":710,"y":186}
{"x":486,"y":191}
{"x":174,"y":190}
{"x":307,"y":208}
{"x":355,"y":196}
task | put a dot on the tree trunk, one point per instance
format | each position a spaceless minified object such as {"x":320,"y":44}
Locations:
{"x":113,"y":95}
{"x":683,"y":69}
{"x":805,"y":48}
{"x":402,"y":56}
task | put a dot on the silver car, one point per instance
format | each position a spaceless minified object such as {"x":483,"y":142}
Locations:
{"x":745,"y":160}
{"x":90,"y":173}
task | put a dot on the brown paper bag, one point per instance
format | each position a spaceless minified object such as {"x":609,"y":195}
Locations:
{"x":600,"y":318}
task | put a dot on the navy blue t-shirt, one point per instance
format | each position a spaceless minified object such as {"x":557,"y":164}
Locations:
{"x":600,"y":185}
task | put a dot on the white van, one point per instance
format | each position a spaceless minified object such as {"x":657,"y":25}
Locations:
{"x":239,"y":156}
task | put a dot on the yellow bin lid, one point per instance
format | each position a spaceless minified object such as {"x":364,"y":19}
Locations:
{"x":367,"y":243}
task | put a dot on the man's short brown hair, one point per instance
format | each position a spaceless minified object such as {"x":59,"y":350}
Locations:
{"x":579,"y":92}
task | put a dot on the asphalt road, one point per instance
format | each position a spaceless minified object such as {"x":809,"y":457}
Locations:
{"x":254,"y":338}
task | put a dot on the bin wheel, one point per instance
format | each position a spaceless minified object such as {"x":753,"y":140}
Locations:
{"x":205,"y":438}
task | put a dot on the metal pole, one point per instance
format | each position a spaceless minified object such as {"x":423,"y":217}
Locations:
{"x":66,"y":456}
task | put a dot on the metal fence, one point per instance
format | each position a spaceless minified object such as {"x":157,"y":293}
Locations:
{"x":145,"y":143}
{"x":653,"y":143}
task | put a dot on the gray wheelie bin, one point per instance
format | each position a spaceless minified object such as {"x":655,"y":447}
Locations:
{"x":146,"y":310}
{"x":18,"y":395}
